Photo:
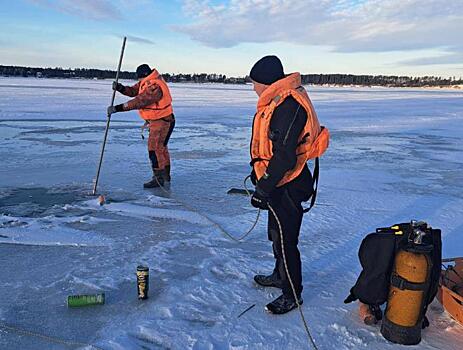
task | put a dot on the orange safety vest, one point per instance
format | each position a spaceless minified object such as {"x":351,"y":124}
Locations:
{"x":161,"y":109}
{"x":313,"y":140}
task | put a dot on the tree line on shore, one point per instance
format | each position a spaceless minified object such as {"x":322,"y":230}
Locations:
{"x":315,"y":79}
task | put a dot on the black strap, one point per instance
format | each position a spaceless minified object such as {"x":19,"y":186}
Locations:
{"x":156,"y":109}
{"x":315,"y":176}
{"x":303,"y":140}
{"x":402,"y":283}
{"x":255,"y":160}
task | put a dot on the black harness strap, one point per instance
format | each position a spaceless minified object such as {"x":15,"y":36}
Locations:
{"x":255,"y":160}
{"x":303,"y":140}
{"x":315,"y":176}
{"x":402,"y":283}
{"x":156,"y":109}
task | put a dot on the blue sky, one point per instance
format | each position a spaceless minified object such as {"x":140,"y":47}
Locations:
{"x":412,"y":37}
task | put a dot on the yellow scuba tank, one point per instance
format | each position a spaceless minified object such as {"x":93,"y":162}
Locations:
{"x":408,"y":293}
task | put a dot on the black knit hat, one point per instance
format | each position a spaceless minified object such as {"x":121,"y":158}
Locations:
{"x":267,"y":70}
{"x":143,"y":71}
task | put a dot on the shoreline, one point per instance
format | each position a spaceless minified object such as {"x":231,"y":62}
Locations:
{"x":437,"y":87}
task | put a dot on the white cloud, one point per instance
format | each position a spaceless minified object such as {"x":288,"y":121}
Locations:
{"x":91,"y":9}
{"x":138,"y":39}
{"x":345,"y":26}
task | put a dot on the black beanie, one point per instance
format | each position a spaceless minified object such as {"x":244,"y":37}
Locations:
{"x":267,"y":70}
{"x":143,"y":71}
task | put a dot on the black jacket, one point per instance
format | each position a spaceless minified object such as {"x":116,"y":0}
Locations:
{"x":284,"y":150}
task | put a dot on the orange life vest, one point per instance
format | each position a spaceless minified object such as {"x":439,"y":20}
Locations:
{"x":161,"y":109}
{"x":313,"y":140}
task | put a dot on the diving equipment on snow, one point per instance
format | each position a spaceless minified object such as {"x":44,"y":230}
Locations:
{"x":86,"y":300}
{"x":401,"y":265}
{"x":403,"y":318}
{"x":143,"y":281}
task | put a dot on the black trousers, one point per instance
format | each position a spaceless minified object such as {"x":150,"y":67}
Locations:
{"x":288,"y":208}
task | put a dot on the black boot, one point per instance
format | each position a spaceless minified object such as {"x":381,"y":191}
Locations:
{"x":268,"y":281}
{"x":282,"y":305}
{"x":166,"y":174}
{"x":156,"y":181}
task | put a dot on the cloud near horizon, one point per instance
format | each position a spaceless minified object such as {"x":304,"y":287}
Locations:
{"x":344,"y":26}
{"x":452,"y":58}
{"x":137,"y":39}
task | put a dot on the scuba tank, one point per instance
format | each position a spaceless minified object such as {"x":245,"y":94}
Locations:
{"x":410,"y":287}
{"x":400,"y":267}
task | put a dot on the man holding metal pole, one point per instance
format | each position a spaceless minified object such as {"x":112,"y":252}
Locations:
{"x":154,"y":103}
{"x":108,"y":120}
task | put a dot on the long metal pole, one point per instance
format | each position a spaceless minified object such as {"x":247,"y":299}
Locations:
{"x":108,"y":119}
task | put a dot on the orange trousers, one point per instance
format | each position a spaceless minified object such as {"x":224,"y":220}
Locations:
{"x":160,"y":131}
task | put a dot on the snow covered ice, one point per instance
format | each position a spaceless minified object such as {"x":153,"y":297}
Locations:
{"x":395,"y":155}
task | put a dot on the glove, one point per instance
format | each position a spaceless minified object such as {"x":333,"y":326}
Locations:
{"x":350,"y":298}
{"x":260,"y":199}
{"x":118,"y":86}
{"x":253,"y":177}
{"x":115,"y":109}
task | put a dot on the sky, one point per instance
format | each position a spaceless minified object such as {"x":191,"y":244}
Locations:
{"x":390,"y":37}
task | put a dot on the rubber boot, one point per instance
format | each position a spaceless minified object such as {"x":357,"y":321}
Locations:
{"x":166,"y":174}
{"x":156,"y":181}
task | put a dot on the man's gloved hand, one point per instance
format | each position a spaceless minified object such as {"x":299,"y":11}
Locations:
{"x":118,"y":86}
{"x":260,"y":199}
{"x":253,"y":177}
{"x":115,"y":109}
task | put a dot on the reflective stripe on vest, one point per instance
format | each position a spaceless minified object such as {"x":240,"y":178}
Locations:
{"x":312,"y":142}
{"x":161,"y":109}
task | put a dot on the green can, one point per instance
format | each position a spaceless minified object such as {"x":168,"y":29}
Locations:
{"x":86,"y":300}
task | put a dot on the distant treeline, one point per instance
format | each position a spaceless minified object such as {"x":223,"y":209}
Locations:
{"x":316,"y":79}
{"x":88,"y":73}
{"x":378,"y":80}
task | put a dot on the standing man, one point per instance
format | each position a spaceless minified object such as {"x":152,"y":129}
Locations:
{"x":286,"y":134}
{"x":154,"y":104}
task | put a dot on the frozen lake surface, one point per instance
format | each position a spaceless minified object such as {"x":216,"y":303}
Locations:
{"x":395,"y":155}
